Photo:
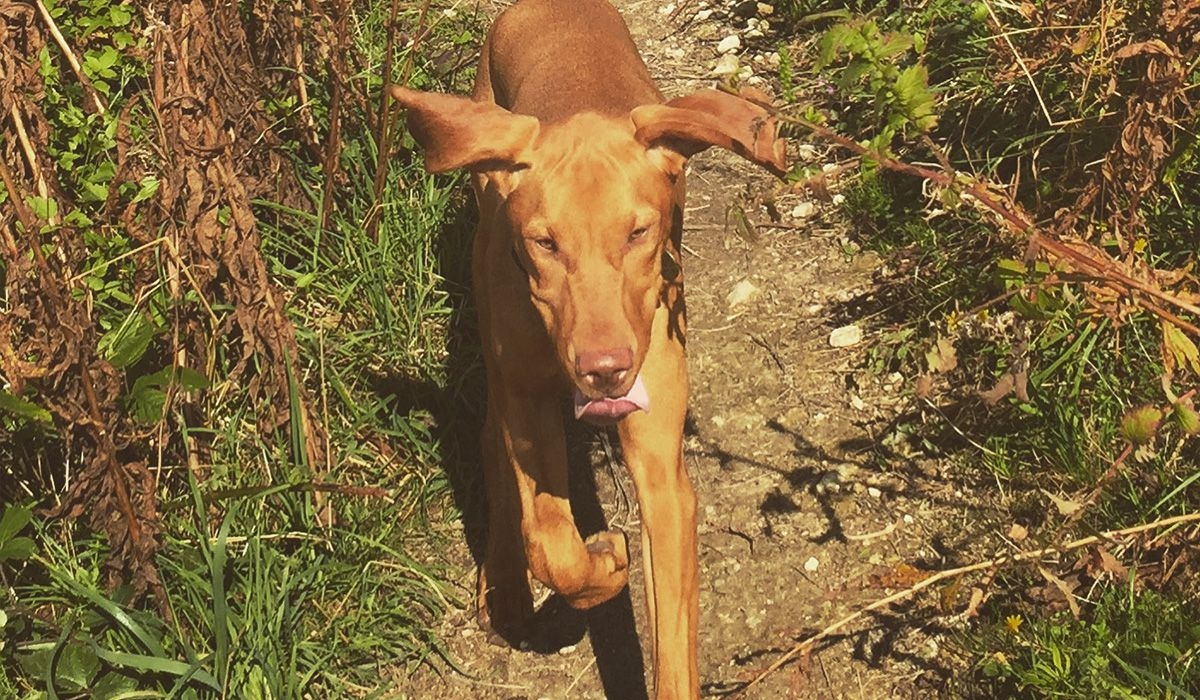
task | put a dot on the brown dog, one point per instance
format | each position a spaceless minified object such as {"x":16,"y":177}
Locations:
{"x":578,"y":171}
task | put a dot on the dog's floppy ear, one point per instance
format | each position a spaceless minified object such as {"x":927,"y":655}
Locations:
{"x":457,"y":132}
{"x":689,"y":124}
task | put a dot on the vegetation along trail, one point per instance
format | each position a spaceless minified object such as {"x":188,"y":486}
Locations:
{"x":943,"y":414}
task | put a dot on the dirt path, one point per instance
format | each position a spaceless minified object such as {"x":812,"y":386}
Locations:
{"x":801,"y":520}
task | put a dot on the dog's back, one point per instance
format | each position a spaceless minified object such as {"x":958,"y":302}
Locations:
{"x":554,"y":58}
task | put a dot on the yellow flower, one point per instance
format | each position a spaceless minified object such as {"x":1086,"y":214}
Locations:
{"x":1013,"y":623}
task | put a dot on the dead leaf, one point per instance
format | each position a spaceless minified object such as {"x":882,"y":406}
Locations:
{"x":976,"y":601}
{"x":1067,"y":591}
{"x":1021,"y":384}
{"x":1178,"y":350}
{"x":1065,"y":506}
{"x":1101,"y":561}
{"x":1085,"y":41}
{"x":948,"y":596}
{"x":1004,"y":387}
{"x":901,"y":575}
{"x":942,"y":357}
{"x":1154,"y":46}
{"x":924,"y":386}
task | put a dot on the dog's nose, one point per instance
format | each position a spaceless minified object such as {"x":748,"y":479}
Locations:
{"x":604,"y":370}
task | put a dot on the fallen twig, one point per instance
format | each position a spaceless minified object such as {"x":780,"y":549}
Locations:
{"x":959,"y":571}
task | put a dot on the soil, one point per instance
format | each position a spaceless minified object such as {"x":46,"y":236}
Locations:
{"x":805,"y":516}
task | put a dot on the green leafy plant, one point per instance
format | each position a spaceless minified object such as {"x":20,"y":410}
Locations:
{"x":872,"y":73}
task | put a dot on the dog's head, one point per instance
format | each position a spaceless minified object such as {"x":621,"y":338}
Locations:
{"x":590,"y":203}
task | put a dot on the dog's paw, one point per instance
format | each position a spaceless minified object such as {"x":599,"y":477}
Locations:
{"x":610,"y":547}
{"x":504,"y":612}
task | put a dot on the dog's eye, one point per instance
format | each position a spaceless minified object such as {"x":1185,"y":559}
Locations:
{"x":547,"y":244}
{"x":638,"y":234}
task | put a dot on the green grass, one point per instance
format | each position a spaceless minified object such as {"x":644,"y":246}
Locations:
{"x":1133,"y":644}
{"x":261,"y":600}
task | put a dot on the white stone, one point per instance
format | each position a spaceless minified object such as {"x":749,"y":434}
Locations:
{"x":846,"y":336}
{"x":703,"y":15}
{"x":727,"y":65}
{"x":754,"y":33}
{"x":803,"y":210}
{"x":874,"y":492}
{"x":812,"y":564}
{"x":742,"y":293}
{"x":730,"y":43}
{"x":839,"y":199}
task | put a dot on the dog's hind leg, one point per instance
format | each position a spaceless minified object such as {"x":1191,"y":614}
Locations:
{"x":505,"y":603}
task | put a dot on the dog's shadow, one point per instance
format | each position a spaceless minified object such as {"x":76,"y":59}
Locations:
{"x":457,"y":410}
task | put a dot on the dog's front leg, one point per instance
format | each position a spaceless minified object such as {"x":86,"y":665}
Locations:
{"x":583,"y":573}
{"x":653,"y":446}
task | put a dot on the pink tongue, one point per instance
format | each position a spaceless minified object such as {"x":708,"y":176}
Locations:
{"x":609,"y":411}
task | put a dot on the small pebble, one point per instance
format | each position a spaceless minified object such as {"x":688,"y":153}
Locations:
{"x":730,"y":43}
{"x":812,"y":564}
{"x":874,"y":492}
{"x":803,"y":210}
{"x":846,"y":336}
{"x":742,"y":293}
{"x":726,"y":65}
